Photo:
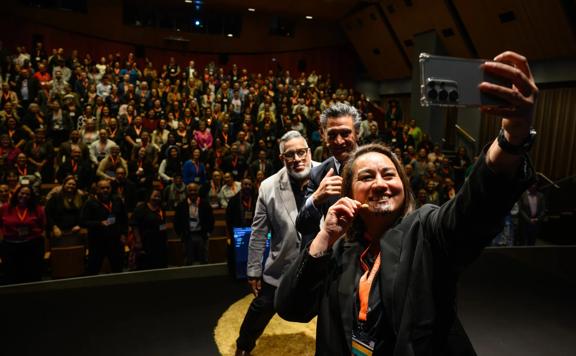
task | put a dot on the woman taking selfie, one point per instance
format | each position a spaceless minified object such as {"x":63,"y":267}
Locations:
{"x":382,"y":276}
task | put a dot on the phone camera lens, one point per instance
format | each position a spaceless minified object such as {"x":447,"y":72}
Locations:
{"x":443,"y":94}
{"x":432,"y":94}
{"x":453,"y":96}
{"x":431,"y":84}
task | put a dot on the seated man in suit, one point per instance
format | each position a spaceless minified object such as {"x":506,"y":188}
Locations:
{"x":340,"y":124}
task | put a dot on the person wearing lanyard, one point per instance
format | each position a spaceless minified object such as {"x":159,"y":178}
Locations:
{"x":228,"y":190}
{"x":106,"y":219}
{"x":240,"y":209}
{"x":23,"y":223}
{"x":234,"y":163}
{"x":193,"y":222}
{"x":388,"y":287}
{"x":193,"y":170}
{"x":63,"y":214}
{"x":149,"y":223}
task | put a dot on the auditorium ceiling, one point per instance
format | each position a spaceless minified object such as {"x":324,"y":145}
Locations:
{"x":389,"y":31}
{"x":319,"y":9}
{"x":386,"y":34}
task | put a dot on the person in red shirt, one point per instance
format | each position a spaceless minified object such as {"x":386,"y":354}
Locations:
{"x":22,"y":225}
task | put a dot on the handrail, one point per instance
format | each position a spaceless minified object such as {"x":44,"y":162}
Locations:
{"x":548,"y":180}
{"x":465,"y":134}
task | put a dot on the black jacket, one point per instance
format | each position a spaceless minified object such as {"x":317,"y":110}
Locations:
{"x":182,"y":217}
{"x":308,"y":221}
{"x":422,"y":256}
{"x":93,"y":213}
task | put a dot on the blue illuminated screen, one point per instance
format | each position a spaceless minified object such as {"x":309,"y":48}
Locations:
{"x":241,"y":241}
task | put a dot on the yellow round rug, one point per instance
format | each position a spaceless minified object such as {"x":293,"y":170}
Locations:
{"x":279,"y":338}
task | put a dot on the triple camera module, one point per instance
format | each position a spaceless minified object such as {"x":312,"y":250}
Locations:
{"x":442,"y":91}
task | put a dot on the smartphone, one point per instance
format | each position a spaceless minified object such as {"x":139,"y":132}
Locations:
{"x":453,"y":82}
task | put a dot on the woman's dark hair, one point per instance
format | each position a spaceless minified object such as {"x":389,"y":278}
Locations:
{"x":10,"y":142}
{"x":173,"y":165}
{"x":32,"y":202}
{"x":348,"y":172}
{"x":78,"y":199}
{"x":155,"y":189}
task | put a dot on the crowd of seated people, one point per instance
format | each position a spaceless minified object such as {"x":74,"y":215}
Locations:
{"x":151,"y":131}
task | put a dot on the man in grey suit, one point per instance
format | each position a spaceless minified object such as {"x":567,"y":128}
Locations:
{"x":279,"y":199}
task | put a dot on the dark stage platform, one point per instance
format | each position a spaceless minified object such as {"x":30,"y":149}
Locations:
{"x":512,"y":302}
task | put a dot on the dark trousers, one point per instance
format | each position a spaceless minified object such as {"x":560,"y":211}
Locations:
{"x":259,"y":313}
{"x":23,"y":261}
{"x":195,"y":248}
{"x":100,"y":247}
{"x":156,"y":253}
{"x":528,"y":233}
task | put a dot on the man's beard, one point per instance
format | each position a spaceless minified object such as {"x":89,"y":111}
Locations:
{"x":299,"y":175}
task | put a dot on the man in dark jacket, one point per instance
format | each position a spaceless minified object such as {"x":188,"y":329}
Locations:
{"x":193,"y":222}
{"x":340,"y":125}
{"x":106,"y":219}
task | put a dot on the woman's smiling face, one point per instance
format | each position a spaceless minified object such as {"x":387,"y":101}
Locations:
{"x":376,"y":182}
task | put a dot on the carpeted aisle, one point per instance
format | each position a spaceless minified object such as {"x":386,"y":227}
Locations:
{"x":280,"y":337}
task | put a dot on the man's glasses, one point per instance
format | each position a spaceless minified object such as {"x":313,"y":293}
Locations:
{"x":290,"y":155}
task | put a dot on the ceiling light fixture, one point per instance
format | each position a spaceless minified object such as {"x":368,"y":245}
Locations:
{"x":251,"y":9}
{"x":230,"y":35}
{"x":309,"y":17}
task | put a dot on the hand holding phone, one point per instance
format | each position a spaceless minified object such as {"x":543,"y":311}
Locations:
{"x":454,"y":82}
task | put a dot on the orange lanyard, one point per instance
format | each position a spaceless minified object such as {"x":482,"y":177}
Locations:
{"x":158,"y":212}
{"x":74,"y":166}
{"x":23,"y":172}
{"x":22,"y":217}
{"x":365,"y":284}
{"x":247,"y":204}
{"x":108,"y":207}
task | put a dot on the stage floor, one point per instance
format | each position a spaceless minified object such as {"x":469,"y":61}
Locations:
{"x":508,"y":308}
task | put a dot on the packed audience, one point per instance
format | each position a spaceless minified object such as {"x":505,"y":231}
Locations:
{"x":101,"y":149}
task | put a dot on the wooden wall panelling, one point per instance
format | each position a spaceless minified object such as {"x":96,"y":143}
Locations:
{"x":375,"y":45}
{"x":423,"y":16}
{"x":540,"y":29}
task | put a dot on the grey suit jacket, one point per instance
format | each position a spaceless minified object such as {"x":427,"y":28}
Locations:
{"x":276,"y":213}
